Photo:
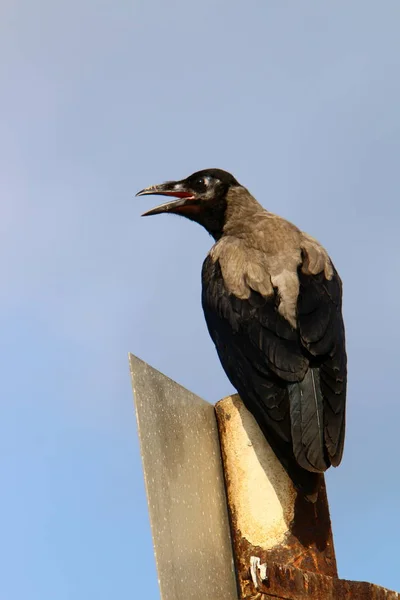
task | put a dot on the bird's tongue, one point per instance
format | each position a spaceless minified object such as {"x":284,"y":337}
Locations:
{"x":178,"y":194}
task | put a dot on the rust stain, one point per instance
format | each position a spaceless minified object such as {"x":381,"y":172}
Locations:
{"x":289,"y":583}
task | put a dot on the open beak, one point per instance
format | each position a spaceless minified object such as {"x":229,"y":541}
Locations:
{"x":176,"y":189}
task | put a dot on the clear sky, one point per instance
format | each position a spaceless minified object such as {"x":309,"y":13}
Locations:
{"x":300,"y":101}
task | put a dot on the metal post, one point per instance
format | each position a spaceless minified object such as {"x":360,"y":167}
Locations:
{"x":185,"y":488}
{"x":282,"y":545}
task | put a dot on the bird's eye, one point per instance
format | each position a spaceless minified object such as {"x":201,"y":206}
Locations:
{"x":200,"y":183}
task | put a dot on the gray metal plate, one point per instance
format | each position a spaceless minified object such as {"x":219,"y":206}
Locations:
{"x":185,"y":488}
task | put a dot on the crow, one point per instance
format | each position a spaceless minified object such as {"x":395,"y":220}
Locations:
{"x":272,"y":301}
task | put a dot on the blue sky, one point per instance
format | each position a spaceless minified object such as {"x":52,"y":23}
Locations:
{"x":99,"y":99}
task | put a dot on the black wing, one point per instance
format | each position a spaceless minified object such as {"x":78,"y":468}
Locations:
{"x":323,"y":336}
{"x":265,"y":359}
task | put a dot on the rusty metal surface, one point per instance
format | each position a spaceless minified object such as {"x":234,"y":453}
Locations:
{"x":289,"y":583}
{"x":269,"y":520}
{"x":185,"y":488}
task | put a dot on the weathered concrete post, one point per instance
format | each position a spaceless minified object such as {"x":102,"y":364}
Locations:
{"x":282,"y":545}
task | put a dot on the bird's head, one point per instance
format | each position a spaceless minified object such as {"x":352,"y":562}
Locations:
{"x":201,"y":197}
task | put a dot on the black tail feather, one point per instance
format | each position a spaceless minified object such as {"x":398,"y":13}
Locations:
{"x":307,"y":422}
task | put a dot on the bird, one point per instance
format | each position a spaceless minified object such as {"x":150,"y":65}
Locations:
{"x":272,"y":301}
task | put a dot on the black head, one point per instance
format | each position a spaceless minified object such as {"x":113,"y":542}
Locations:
{"x":201,"y":197}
